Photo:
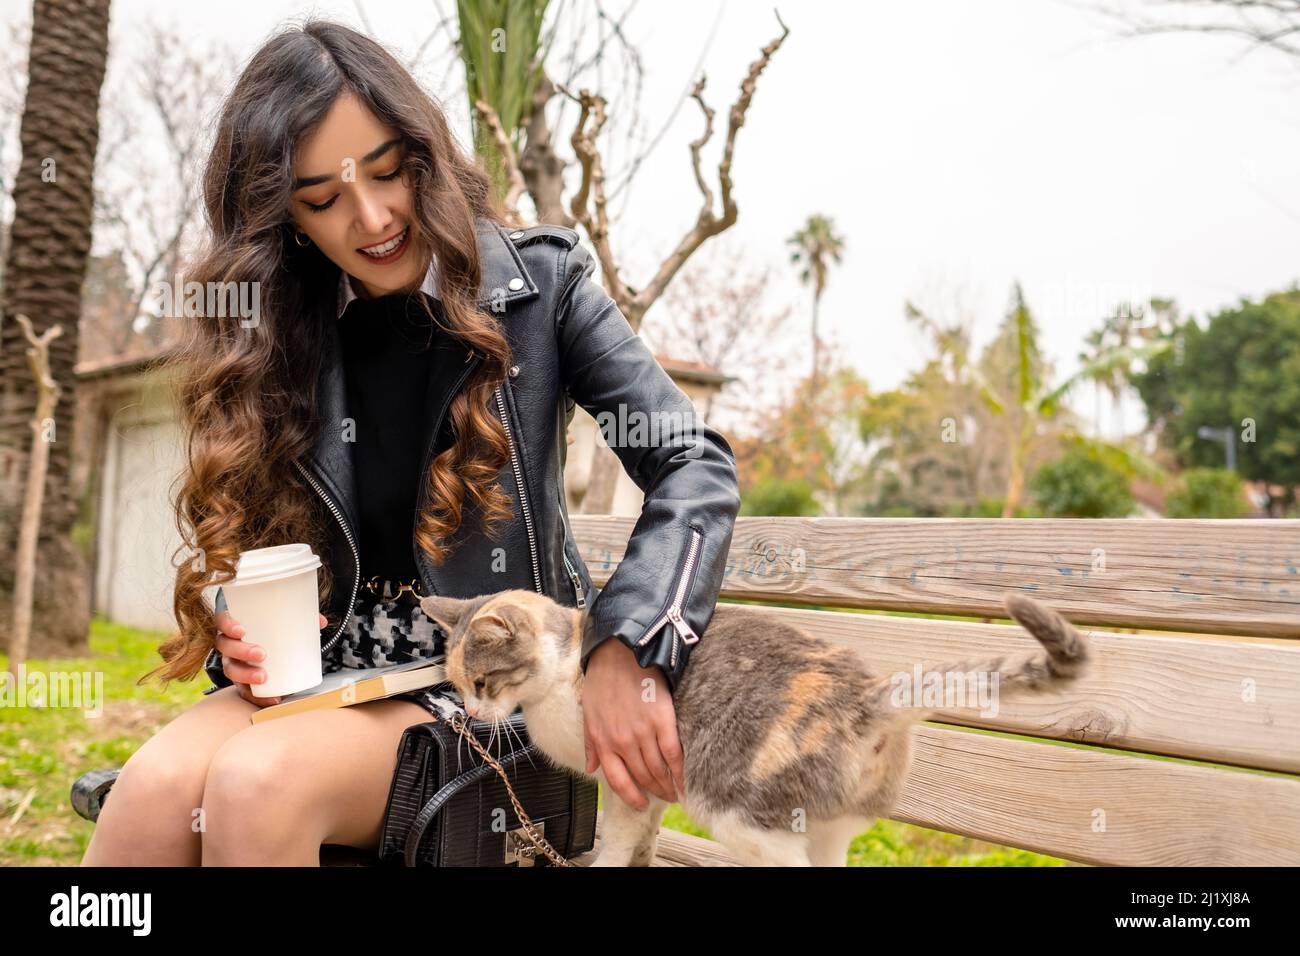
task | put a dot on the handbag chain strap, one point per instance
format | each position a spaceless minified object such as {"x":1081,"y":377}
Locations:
{"x":458,"y":722}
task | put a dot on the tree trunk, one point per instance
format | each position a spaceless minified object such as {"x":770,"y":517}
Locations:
{"x":47,"y":400}
{"x":1014,"y":489}
{"x":603,"y":481}
{"x":542,"y":168}
{"x":48,"y":252}
{"x":816,"y":350}
{"x":1016,"y":480}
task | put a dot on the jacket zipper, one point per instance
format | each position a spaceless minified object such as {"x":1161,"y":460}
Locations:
{"x":356,"y":556}
{"x":682,"y":630}
{"x":573,"y":575}
{"x":523,"y":493}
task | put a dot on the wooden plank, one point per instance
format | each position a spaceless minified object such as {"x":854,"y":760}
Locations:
{"x":674,"y":849}
{"x":1096,"y":807}
{"x":1205,"y":576}
{"x":1224,"y":700}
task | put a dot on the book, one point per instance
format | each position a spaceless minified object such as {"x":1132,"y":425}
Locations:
{"x":356,"y":685}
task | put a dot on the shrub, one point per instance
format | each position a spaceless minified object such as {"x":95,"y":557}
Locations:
{"x":1207,"y":493}
{"x":780,"y":496}
{"x":1080,"y":485}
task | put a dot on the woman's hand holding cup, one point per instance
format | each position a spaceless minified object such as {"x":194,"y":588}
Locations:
{"x":240,"y":658}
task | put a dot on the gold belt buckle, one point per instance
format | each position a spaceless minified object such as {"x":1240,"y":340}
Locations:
{"x":402,"y":587}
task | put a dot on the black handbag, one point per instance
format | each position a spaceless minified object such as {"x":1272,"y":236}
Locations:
{"x":448,"y":806}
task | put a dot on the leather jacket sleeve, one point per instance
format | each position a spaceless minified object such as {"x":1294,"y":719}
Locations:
{"x":212,"y":666}
{"x":661,"y":596}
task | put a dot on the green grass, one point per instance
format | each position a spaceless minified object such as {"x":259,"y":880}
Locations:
{"x":44,"y":749}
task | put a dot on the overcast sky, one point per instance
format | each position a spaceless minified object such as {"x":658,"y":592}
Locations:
{"x":958,"y":146}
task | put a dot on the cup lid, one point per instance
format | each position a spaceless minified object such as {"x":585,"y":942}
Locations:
{"x":271,"y":564}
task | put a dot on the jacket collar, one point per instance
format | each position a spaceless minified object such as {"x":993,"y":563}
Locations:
{"x":504,"y":277}
{"x":429,"y":287}
{"x":504,"y":280}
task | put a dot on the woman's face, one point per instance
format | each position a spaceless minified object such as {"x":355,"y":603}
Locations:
{"x":351,"y":195}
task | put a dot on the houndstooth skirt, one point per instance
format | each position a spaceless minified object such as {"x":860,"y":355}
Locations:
{"x":383,"y":631}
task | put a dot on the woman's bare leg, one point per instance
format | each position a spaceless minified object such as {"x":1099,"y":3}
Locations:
{"x":278,"y":790}
{"x":152,"y":815}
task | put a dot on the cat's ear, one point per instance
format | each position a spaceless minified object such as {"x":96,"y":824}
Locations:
{"x":446,"y":611}
{"x":508,"y":619}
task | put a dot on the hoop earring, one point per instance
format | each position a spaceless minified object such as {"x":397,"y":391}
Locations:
{"x":299,"y":236}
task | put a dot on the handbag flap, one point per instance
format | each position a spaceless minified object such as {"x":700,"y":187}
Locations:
{"x":440,"y":777}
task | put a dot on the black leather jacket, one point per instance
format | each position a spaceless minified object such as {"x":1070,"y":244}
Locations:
{"x":569,"y":343}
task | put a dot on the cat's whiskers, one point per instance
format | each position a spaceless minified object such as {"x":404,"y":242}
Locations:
{"x":519,"y":741}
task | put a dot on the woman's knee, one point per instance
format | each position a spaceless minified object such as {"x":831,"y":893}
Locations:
{"x":255,"y":785}
{"x":159,"y":779}
{"x":149,"y":817}
{"x":325,"y":774}
{"x":160,"y":787}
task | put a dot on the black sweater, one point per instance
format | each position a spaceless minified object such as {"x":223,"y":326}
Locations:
{"x":392,"y":358}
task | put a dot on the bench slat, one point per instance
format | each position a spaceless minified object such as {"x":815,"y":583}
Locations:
{"x":1047,"y":798}
{"x":674,"y":849}
{"x":1177,"y":696}
{"x":1206,"y":576}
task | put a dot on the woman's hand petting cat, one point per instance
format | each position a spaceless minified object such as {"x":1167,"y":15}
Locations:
{"x":629,"y":732}
{"x":239,"y":658}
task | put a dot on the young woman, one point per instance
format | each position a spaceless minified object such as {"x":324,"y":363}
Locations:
{"x":400,"y":403}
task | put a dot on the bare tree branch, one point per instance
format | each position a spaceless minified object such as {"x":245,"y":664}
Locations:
{"x":146,"y":205}
{"x":514,"y":178}
{"x":716,"y":312}
{"x":1271,"y":24}
{"x":589,"y":204}
{"x":541,"y":166}
{"x":625,"y":179}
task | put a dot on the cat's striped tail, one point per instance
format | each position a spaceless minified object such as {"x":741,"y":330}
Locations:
{"x":1062,"y":658}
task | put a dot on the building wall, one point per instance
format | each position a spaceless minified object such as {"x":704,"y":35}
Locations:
{"x":137,"y":531}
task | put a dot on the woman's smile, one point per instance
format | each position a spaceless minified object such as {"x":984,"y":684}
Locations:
{"x":388,"y":250}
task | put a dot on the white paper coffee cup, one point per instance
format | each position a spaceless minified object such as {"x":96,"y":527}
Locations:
{"x":274,"y":595}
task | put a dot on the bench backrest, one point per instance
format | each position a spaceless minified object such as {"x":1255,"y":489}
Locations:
{"x":1180,"y":748}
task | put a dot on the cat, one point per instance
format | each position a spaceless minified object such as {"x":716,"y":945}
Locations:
{"x":791,"y":745}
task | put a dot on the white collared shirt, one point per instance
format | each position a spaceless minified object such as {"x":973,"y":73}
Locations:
{"x":429,"y":287}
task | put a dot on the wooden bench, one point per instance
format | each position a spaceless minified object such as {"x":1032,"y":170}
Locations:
{"x":1217,"y":689}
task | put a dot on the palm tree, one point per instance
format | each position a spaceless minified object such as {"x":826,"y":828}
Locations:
{"x":1124,"y":337}
{"x":815,"y":247}
{"x":1028,"y":405}
{"x":1102,"y":379}
{"x":501,"y":47}
{"x":1125,"y":324}
{"x":48,"y":250}
{"x":1033,"y":400}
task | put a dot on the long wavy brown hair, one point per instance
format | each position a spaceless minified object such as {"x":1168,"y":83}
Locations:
{"x":247,"y":396}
